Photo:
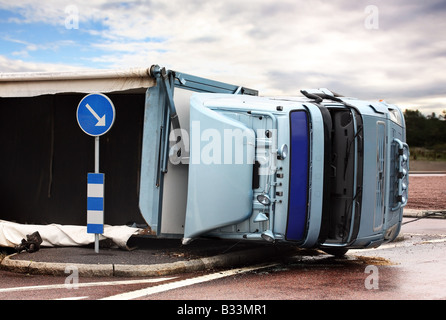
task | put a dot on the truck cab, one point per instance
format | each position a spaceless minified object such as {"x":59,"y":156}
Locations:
{"x":319,"y":171}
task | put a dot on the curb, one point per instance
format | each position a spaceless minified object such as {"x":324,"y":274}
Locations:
{"x":126,"y":270}
{"x":54,"y":268}
{"x":415,"y":213}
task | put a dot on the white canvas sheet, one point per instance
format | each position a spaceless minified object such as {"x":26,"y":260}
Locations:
{"x":28,"y":84}
{"x":11,"y":234}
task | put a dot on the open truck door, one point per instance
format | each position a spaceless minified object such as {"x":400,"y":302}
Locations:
{"x":220,"y":171}
{"x":164,"y":176}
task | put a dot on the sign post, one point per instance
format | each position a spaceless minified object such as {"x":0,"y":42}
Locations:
{"x":95,"y":115}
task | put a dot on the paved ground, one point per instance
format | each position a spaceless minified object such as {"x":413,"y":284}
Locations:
{"x":145,"y":251}
{"x":151,"y":257}
{"x":426,"y":193}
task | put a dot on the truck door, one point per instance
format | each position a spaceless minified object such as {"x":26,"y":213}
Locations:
{"x":222,"y":153}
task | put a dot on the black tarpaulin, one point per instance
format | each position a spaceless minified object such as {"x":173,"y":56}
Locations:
{"x":45,"y":158}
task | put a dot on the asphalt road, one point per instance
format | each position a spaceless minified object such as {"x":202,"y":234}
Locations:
{"x":409,"y":269}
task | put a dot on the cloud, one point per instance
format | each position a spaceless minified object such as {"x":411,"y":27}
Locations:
{"x":277,"y":47}
{"x":18,"y":65}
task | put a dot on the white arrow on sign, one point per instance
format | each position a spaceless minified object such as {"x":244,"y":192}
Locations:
{"x":101,"y":121}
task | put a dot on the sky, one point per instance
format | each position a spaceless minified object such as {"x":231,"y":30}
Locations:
{"x":374,"y":49}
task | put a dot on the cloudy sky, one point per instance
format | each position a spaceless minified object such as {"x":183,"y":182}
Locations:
{"x":374,"y":49}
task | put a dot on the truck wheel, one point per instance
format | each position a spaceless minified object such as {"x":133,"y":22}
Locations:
{"x":337,"y":252}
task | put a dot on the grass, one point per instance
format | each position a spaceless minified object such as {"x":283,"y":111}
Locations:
{"x":425,"y":154}
{"x":427,"y":165}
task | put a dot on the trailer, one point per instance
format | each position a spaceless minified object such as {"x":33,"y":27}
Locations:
{"x":191,"y":157}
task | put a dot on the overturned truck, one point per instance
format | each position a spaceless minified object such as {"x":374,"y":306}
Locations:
{"x":319,"y":170}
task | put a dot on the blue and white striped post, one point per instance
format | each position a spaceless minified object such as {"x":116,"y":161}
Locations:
{"x":95,"y":205}
{"x":95,"y":115}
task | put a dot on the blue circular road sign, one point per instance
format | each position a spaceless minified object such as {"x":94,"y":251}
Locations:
{"x":95,"y":114}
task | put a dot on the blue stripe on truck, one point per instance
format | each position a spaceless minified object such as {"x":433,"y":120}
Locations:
{"x":298,"y":191}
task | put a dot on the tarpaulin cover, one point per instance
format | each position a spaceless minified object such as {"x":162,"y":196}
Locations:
{"x":45,"y":158}
{"x":53,"y":235}
{"x":31,"y":84}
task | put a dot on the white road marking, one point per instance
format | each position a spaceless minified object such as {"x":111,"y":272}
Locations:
{"x":72,"y":298}
{"x":86,"y":284}
{"x":183,"y":283}
{"x":434,"y":241}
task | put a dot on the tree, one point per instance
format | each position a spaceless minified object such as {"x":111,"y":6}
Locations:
{"x":416,"y":126}
{"x":425,"y":131}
